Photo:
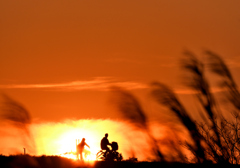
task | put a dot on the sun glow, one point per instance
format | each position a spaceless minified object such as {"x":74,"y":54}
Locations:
{"x":60,"y":138}
{"x":68,"y":140}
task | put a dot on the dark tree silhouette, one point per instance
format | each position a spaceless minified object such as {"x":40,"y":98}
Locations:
{"x":16,"y":114}
{"x":164,"y":95}
{"x":218,"y":66}
{"x":213,"y":137}
{"x":131,"y":109}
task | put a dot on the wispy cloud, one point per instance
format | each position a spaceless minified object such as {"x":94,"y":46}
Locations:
{"x":234,"y":63}
{"x":100,"y":83}
{"x":192,"y":91}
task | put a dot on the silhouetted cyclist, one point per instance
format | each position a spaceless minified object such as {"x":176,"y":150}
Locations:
{"x":80,"y":147}
{"x":105,"y":143}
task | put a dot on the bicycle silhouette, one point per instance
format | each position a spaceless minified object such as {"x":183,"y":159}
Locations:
{"x":111,"y":155}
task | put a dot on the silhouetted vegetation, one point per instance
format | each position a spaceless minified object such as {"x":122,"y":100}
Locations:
{"x":214,"y":138}
{"x":132,"y":110}
{"x":16,"y":115}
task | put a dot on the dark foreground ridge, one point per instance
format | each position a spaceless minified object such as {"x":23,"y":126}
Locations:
{"x":126,"y":164}
{"x":27,"y":161}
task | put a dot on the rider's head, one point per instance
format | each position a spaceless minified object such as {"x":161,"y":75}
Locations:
{"x":106,"y":135}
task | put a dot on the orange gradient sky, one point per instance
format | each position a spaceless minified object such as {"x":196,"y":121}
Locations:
{"x":76,"y":48}
{"x":58,"y":58}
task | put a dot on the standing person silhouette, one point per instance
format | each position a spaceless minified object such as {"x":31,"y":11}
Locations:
{"x":105,"y":143}
{"x":80,"y":148}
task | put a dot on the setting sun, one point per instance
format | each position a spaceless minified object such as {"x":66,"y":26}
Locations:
{"x":68,"y":141}
{"x":61,"y":138}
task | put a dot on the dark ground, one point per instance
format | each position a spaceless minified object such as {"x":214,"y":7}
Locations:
{"x":26,"y":161}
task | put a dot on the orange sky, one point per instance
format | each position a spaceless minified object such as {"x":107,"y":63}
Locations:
{"x":47,"y":45}
{"x":59,"y":57}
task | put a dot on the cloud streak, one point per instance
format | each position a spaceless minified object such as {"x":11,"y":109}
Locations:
{"x":97,"y":84}
{"x":100,"y":83}
{"x":192,"y":91}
